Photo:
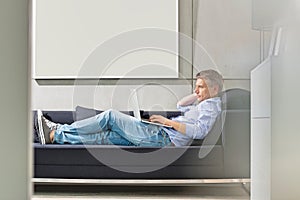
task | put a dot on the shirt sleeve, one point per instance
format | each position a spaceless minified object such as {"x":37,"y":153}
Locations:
{"x":183,"y":108}
{"x":208,"y":112}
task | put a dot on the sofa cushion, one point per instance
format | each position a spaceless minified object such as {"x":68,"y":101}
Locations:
{"x":104,"y":161}
{"x":83,"y":112}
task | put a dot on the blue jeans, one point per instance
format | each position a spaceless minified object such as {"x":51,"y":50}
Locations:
{"x":112,"y":128}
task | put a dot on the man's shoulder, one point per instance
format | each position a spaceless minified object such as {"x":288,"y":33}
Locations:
{"x":213,"y":103}
{"x":212,"y":100}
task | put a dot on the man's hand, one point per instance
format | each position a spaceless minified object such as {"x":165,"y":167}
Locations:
{"x":176,"y":125}
{"x":158,"y":118}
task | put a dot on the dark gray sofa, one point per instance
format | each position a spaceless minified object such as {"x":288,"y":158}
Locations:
{"x":225,"y":153}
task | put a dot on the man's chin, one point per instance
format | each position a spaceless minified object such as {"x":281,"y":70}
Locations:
{"x":202,"y":98}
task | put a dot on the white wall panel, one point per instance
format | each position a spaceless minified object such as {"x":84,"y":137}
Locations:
{"x":100,"y":38}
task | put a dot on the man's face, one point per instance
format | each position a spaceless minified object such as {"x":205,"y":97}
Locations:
{"x":202,"y":90}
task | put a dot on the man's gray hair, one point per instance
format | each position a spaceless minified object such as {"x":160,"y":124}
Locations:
{"x":212,"y":78}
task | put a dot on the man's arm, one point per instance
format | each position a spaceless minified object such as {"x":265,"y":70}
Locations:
{"x":187,"y":100}
{"x":180,"y":127}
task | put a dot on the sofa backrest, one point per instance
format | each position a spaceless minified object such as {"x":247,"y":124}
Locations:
{"x":236,"y":133}
{"x":235,"y":101}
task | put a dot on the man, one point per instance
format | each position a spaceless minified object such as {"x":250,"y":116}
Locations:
{"x":113,"y":127}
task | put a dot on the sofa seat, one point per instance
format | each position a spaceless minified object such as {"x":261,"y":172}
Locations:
{"x":80,"y":161}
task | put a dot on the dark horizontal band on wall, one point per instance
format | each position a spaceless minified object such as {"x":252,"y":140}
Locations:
{"x":174,"y":81}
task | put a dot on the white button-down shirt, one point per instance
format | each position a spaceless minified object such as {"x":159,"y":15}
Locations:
{"x":199,"y":120}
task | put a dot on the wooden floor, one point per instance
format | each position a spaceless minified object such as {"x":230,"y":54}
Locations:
{"x":235,"y":191}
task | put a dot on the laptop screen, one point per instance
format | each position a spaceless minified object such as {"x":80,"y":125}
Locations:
{"x":135,"y":105}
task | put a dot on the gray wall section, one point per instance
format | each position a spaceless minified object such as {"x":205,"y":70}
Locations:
{"x":225,"y":39}
{"x":14,"y":153}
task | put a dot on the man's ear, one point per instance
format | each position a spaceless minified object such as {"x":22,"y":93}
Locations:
{"x":214,"y":91}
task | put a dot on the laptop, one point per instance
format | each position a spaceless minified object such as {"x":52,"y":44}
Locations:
{"x":136,"y":111}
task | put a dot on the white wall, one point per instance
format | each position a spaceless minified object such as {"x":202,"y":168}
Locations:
{"x":163,"y":94}
{"x":69,"y":34}
{"x":104,"y":97}
{"x":226,"y":34}
{"x":66,"y":97}
{"x":15,"y":170}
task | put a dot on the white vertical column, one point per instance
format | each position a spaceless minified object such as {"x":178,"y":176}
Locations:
{"x":261,"y":131}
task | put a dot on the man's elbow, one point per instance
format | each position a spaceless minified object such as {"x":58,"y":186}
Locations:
{"x":179,"y":103}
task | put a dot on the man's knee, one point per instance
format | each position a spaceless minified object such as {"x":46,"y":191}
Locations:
{"x":111,"y":113}
{"x":111,"y":110}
